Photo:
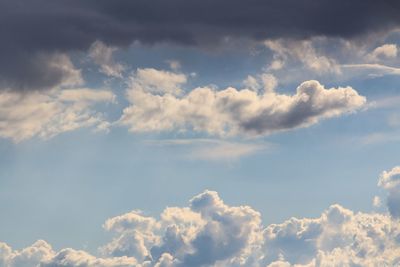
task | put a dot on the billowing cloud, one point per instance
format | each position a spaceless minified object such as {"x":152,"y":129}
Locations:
{"x":25,"y":115}
{"x":383,"y":51}
{"x":390,"y":180}
{"x":232,"y":111}
{"x":209,"y":232}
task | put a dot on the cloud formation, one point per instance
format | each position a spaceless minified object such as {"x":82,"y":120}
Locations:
{"x":102,"y":55}
{"x":36,"y":31}
{"x":208,"y":232}
{"x":46,"y":114}
{"x":390,"y":181}
{"x":231,"y":111}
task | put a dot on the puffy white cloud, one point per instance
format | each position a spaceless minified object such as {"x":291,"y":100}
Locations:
{"x":102,"y":55}
{"x":30,"y":256}
{"x":77,"y":258}
{"x":211,"y":233}
{"x":46,"y":114}
{"x":384,"y":51}
{"x":231,"y":111}
{"x":390,"y":180}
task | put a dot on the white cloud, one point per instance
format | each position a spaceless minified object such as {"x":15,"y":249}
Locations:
{"x":301,"y":51}
{"x":211,"y":233}
{"x":390,"y":180}
{"x":230,"y":111}
{"x":372,"y":70}
{"x":46,"y":114}
{"x":102,"y":55}
{"x":383,"y":52}
{"x":156,"y":81}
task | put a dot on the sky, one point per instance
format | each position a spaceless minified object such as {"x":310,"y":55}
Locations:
{"x":183,"y":133}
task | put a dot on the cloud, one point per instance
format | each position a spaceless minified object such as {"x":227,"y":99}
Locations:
{"x":302,"y":51}
{"x":382,"y":52}
{"x":373,"y":70}
{"x":46,"y":114}
{"x":390,"y":181}
{"x":102,"y":56}
{"x":232,"y":111}
{"x":35,"y":31}
{"x":209,"y":232}
{"x":157,"y":81}
{"x":26,"y":71}
{"x":214,"y":149}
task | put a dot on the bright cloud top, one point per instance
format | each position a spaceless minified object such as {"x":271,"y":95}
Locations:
{"x":159,"y":106}
{"x":211,"y":233}
{"x":390,"y":180}
{"x":46,"y":114}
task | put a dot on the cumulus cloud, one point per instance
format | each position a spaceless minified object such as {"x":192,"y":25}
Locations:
{"x":390,"y":181}
{"x":384,"y":51}
{"x":231,"y":111}
{"x":46,"y":114}
{"x":209,"y":232}
{"x":102,"y":55}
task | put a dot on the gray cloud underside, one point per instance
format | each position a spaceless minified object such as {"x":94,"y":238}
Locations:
{"x":34,"y":31}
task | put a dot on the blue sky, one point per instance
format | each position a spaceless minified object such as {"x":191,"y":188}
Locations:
{"x":286,"y":126}
{"x":57,"y":181}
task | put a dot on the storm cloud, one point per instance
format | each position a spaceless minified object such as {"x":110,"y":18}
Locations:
{"x":34,"y":32}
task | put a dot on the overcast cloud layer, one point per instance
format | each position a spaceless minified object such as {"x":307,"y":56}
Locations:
{"x":211,"y":233}
{"x":34,"y":32}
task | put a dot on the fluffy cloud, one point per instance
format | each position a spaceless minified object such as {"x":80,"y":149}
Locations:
{"x":211,"y":233}
{"x":231,"y":111}
{"x":302,"y":51}
{"x":41,"y":254}
{"x":157,"y":81}
{"x":102,"y":56}
{"x":384,"y":51}
{"x":390,"y":180}
{"x":46,"y":114}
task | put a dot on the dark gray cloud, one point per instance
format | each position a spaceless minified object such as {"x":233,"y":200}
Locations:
{"x":33,"y":31}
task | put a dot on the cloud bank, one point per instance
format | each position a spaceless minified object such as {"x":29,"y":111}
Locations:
{"x":35,"y":31}
{"x":159,"y":106}
{"x":46,"y":114}
{"x":208,"y":232}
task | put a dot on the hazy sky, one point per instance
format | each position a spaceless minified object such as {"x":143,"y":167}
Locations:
{"x":199,"y":133}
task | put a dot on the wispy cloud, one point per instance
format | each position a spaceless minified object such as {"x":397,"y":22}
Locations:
{"x":216,"y":149}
